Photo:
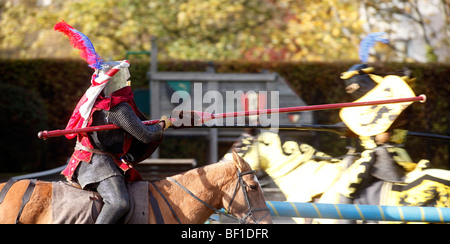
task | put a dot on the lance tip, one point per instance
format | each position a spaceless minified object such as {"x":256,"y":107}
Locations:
{"x":424,"y":98}
{"x":42,"y":134}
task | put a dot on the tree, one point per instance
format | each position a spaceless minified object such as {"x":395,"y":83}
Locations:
{"x":419,"y":30}
{"x":268,"y":30}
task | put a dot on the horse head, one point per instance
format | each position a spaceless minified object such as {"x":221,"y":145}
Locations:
{"x":244,"y":199}
{"x":257,"y":151}
{"x":271,"y":152}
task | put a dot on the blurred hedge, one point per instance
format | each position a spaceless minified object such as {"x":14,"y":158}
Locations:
{"x":22,"y":111}
{"x":60,"y":83}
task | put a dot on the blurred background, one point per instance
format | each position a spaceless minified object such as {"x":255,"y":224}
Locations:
{"x":269,"y":30}
{"x":309,"y":43}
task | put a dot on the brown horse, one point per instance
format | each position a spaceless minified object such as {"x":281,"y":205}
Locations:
{"x":193,"y":196}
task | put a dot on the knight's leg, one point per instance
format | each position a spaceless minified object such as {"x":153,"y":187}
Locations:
{"x":357,"y":176}
{"x":115,"y":198}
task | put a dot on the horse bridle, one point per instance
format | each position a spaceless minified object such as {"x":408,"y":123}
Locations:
{"x":251,"y":210}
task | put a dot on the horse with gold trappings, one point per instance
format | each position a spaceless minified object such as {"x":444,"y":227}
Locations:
{"x":296,"y":168}
{"x":188,"y":198}
{"x":304,"y":174}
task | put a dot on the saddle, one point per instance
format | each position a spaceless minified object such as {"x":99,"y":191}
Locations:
{"x":71,"y":205}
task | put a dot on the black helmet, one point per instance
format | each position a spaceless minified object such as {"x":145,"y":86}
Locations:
{"x":357,"y":80}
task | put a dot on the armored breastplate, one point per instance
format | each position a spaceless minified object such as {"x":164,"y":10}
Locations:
{"x":110,"y":140}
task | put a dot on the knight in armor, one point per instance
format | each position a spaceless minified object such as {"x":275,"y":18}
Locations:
{"x":103,"y":160}
{"x":383,"y":157}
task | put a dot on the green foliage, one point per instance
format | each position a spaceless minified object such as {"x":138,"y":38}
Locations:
{"x":269,"y":30}
{"x":189,"y":29}
{"x":57,"y":86}
{"x":60,"y":82}
{"x":22,"y":116}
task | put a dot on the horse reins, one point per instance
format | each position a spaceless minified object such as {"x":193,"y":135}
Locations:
{"x":247,"y":200}
{"x":229,"y":215}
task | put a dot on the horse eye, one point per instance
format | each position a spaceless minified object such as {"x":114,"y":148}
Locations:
{"x":253,"y":187}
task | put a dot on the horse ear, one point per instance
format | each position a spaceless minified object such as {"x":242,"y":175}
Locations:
{"x":238,"y":161}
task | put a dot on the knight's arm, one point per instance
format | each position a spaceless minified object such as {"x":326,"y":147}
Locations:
{"x":123,"y":116}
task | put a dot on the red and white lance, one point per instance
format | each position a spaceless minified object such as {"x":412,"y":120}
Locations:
{"x":203,"y":117}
